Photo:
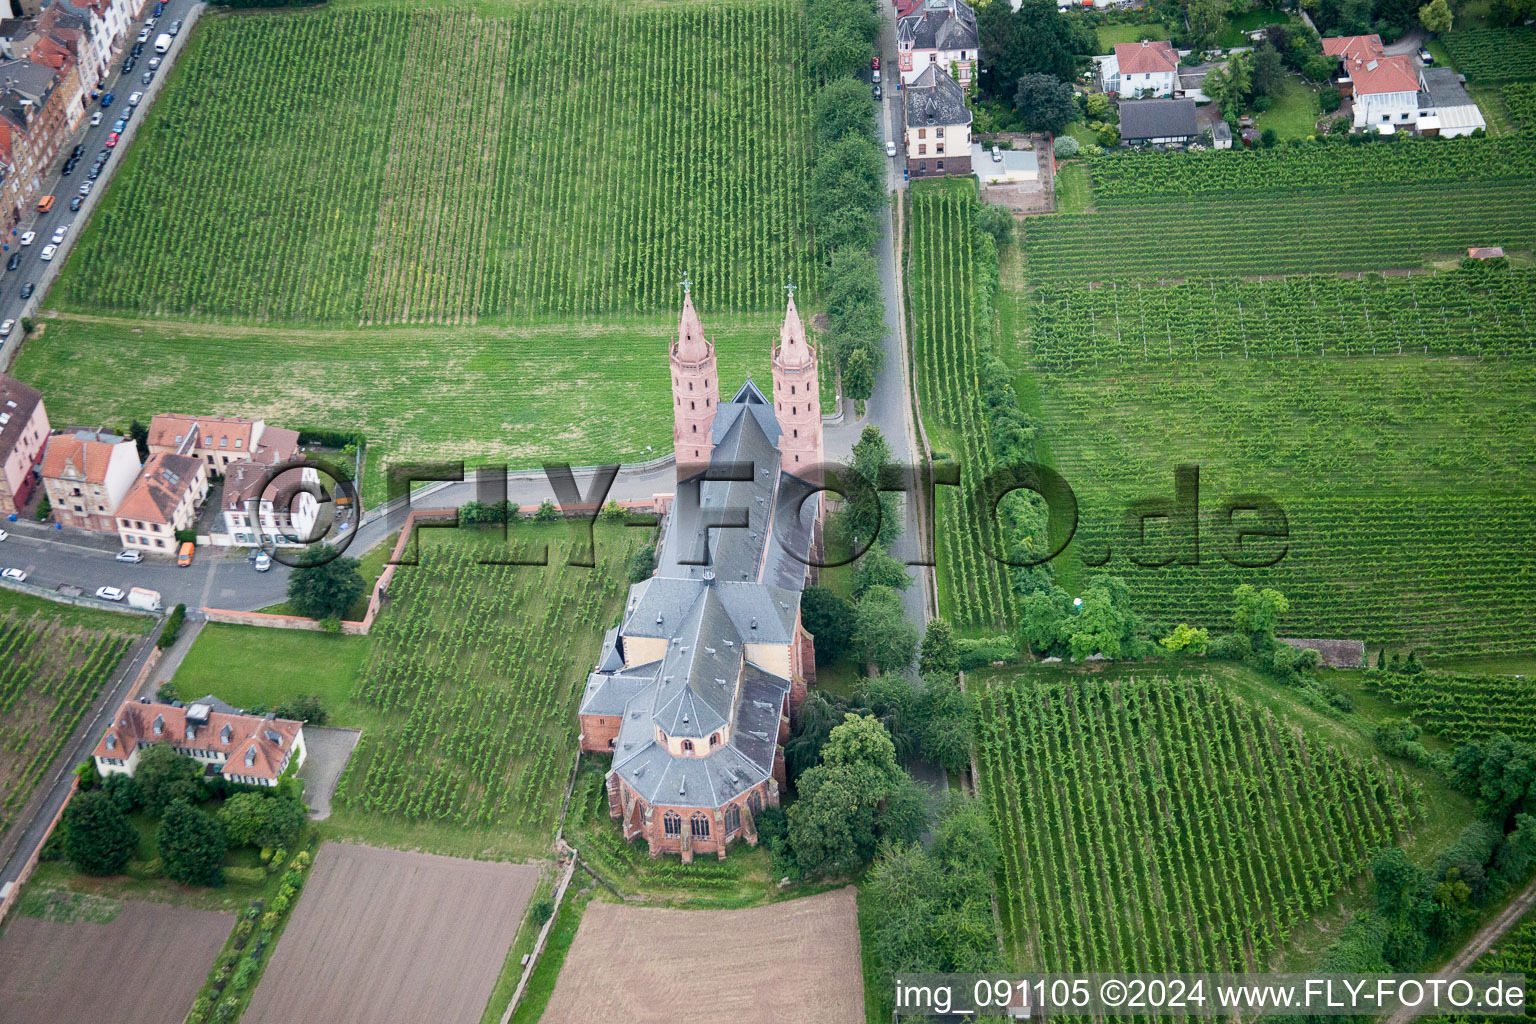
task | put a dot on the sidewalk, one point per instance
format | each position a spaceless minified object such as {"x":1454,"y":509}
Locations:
{"x":86,"y":540}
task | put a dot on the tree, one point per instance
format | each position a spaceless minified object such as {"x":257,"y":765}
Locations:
{"x":548,"y":512}
{"x":1109,"y":136}
{"x":1187,"y":638}
{"x":876,"y":568}
{"x":124,"y":791}
{"x":1205,"y":20}
{"x":1256,"y":613}
{"x":1269,"y":70}
{"x":939,"y":655}
{"x":1329,"y":99}
{"x":818,"y":716}
{"x":1228,"y":85}
{"x":855,"y":310}
{"x":1435,"y":16}
{"x":843,"y":107}
{"x":847,"y":191}
{"x":859,"y":375}
{"x":642,"y":565}
{"x":882,"y":636}
{"x":323,"y":585}
{"x":1268,"y":138}
{"x":1042,"y":618}
{"x":303,"y":708}
{"x":1045,"y":102}
{"x":998,"y":221}
{"x":140,"y":434}
{"x":829,"y":620}
{"x":165,"y":776}
{"x":259,"y":819}
{"x":836,"y":825}
{"x":191,"y":845}
{"x":944,"y":723}
{"x":98,"y":838}
{"x":1104,"y":623}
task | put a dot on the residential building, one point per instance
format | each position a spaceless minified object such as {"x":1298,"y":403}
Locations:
{"x":941,"y":34}
{"x":1146,"y":69}
{"x":286,"y":515}
{"x":254,"y":750}
{"x":164,"y":499}
{"x":938,"y":126}
{"x":24,"y":432}
{"x":220,"y":440}
{"x":87,"y":474}
{"x":1221,"y":135}
{"x":1157,"y":122}
{"x":1392,"y":94}
{"x":693,"y":690}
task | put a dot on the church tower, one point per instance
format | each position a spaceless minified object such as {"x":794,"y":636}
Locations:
{"x":695,"y":388}
{"x":796,"y":396}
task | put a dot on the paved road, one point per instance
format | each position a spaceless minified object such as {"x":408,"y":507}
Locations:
{"x":92,"y":139}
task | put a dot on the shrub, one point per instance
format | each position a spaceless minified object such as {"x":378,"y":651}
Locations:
{"x":542,"y":910}
{"x":1066,"y":147}
{"x":1329,"y":99}
{"x":1230,"y":646}
{"x":172,"y":628}
{"x":1261,"y":104}
{"x":100,"y":839}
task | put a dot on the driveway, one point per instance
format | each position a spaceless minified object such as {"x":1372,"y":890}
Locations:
{"x":327,"y":752}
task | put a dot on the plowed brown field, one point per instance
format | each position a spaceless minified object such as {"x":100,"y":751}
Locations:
{"x":389,"y":937}
{"x":795,"y":962}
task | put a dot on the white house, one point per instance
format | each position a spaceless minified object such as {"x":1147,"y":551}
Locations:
{"x":938,"y":126}
{"x":289,"y":521}
{"x":1444,"y":106}
{"x":938,"y":33}
{"x":1146,"y":69}
{"x":254,"y":750}
{"x":87,"y":474}
{"x":1391,"y":94}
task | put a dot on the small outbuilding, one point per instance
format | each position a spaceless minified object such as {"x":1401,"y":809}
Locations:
{"x":1221,"y":135}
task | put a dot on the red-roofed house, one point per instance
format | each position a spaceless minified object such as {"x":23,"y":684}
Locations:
{"x":1386,"y":89}
{"x":1146,"y":69}
{"x":86,"y":474}
{"x":219,"y":440}
{"x":253,"y":750}
{"x":161,"y":501}
{"x":23,"y":433}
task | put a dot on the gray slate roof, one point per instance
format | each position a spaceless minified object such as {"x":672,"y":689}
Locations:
{"x":1157,"y":119}
{"x":939,"y":25}
{"x":934,"y":98}
{"x":1444,"y":89}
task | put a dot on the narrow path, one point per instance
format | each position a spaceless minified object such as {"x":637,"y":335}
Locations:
{"x":1480,"y":943}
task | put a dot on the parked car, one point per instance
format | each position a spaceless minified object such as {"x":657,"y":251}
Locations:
{"x":86,"y":186}
{"x":6,"y":327}
{"x":109,"y":594}
{"x":154,"y":63}
{"x":128,"y":65}
{"x":175,"y":28}
{"x":74,"y":154}
{"x":106,"y":103}
{"x":162,"y":42}
{"x":874,"y":63}
{"x":143,"y":35}
{"x":27,"y":290}
{"x":263,"y":562}
{"x":147,"y":77}
{"x":75,"y":201}
{"x":1425,"y":57}
{"x":184,"y":556}
{"x":48,"y":251}
{"x":126,"y":555}
{"x":119,"y":124}
{"x":112,"y":139}
{"x":149,"y":22}
{"x":4,"y":535}
{"x":138,"y":48}
{"x":96,"y":119}
{"x":875,"y":75}
{"x":15,"y":575}
{"x":877,"y":92}
{"x":890,"y":149}
{"x":28,"y":237}
{"x":95,"y":171}
{"x":160,"y":8}
{"x":59,"y":233}
{"x":68,"y":168}
{"x":133,"y":100}
{"x":14,"y":261}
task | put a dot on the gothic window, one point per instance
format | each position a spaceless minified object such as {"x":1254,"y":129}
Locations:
{"x":755,"y":801}
{"x":690,"y":385}
{"x":794,"y":410}
{"x":797,"y":431}
{"x":687,"y":746}
{"x":706,"y":401}
{"x":695,"y":428}
{"x":791,"y":389}
{"x":699,"y":826}
{"x":714,"y":740}
{"x":672,"y":824}
{"x":692,"y":404}
{"x":733,"y":819}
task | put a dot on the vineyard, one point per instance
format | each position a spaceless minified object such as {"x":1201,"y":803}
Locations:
{"x":1515,"y":953}
{"x":51,"y":674}
{"x":946,"y":342}
{"x":1520,"y":101}
{"x":1102,"y":798}
{"x":1461,"y":707}
{"x":474,"y":669}
{"x":1493,"y":54}
{"x":1365,"y":229}
{"x":1404,"y":482}
{"x":1132,"y":176}
{"x":1484,"y":310}
{"x":391,"y":166}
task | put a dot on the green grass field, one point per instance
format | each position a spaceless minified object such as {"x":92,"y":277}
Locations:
{"x":1111,"y":35}
{"x":1294,"y":113}
{"x":276,"y":665}
{"x":579,"y":393}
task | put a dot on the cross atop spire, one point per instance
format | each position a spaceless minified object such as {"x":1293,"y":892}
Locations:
{"x":789,"y":286}
{"x":686,"y":282}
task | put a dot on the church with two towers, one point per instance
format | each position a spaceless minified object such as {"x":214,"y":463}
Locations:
{"x":694,"y":688}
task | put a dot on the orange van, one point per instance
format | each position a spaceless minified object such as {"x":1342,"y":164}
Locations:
{"x":45,"y":204}
{"x":185,"y":556}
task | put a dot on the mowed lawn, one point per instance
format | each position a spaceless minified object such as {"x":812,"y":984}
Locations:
{"x":577,"y":393}
{"x":1294,"y":113}
{"x":1110,"y":35}
{"x":248,"y":665}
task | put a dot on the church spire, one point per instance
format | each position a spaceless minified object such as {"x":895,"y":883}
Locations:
{"x":794,"y":350}
{"x":695,"y":388}
{"x":797,"y":397}
{"x":692,"y":346}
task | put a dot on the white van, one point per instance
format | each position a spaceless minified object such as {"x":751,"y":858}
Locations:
{"x":162,"y":42}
